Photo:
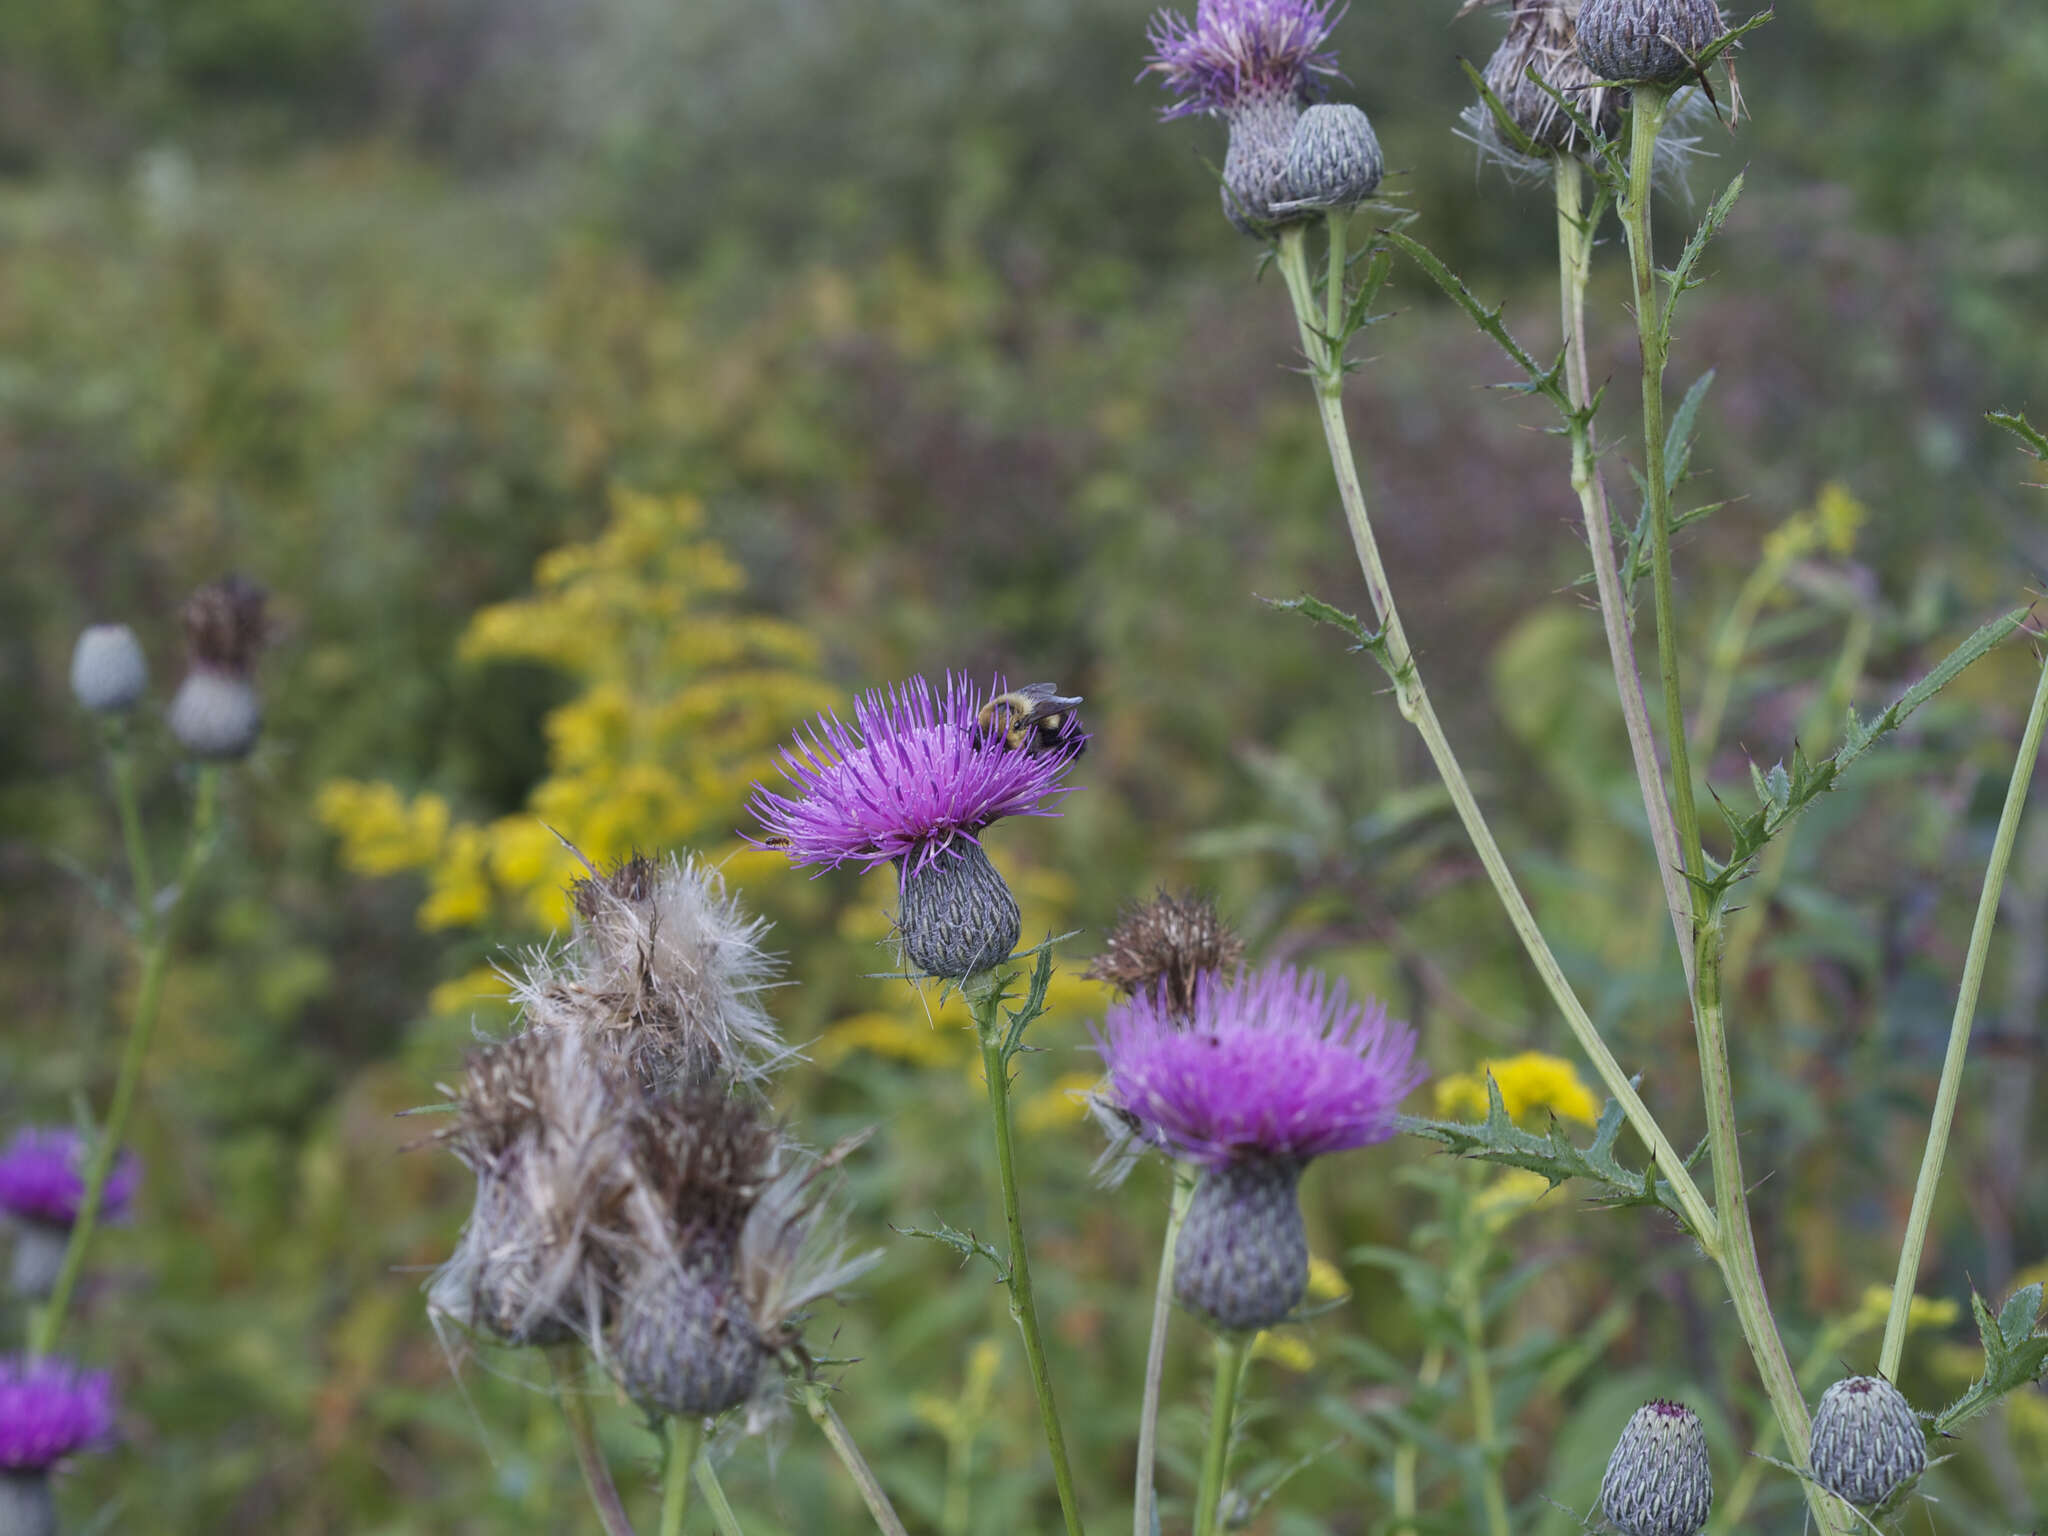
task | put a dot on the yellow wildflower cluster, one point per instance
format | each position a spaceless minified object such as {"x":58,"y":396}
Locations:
{"x":1828,"y":527}
{"x":682,"y":702}
{"x":1531,"y":1085}
{"x":1289,"y":1349}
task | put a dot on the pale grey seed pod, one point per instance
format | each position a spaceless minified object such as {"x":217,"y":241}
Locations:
{"x":37,"y":1259}
{"x":1255,"y":163}
{"x":958,"y":916}
{"x":1653,"y":41}
{"x":216,"y":715}
{"x":1659,"y":1481}
{"x":26,"y":1508}
{"x":1868,"y":1446}
{"x":1242,"y":1256}
{"x":108,"y":671}
{"x":1333,"y":159}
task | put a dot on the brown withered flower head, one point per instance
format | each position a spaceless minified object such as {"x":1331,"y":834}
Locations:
{"x":546,"y":1127}
{"x":1167,"y":942}
{"x":1543,"y":37}
{"x":216,"y":713}
{"x":664,"y":976}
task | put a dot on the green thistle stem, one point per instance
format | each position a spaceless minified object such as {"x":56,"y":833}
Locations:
{"x":1412,"y":698}
{"x":1408,"y":1454}
{"x":156,"y":954}
{"x":1959,"y":1036}
{"x":1574,"y":264}
{"x":1146,"y":1496}
{"x":708,"y":1484}
{"x":1479,"y":1386}
{"x":984,"y":995}
{"x":1232,"y":1349}
{"x":827,"y":1419}
{"x":685,"y":1435}
{"x":597,"y":1473}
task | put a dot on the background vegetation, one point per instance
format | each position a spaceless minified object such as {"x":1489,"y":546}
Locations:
{"x":823,"y":343}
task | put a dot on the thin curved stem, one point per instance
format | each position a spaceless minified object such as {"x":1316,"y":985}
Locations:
{"x":1648,"y":110}
{"x":1408,"y":1454}
{"x":715,"y":1500}
{"x":1146,"y":1496}
{"x":1485,"y":1430}
{"x":685,"y":1435}
{"x":1412,"y":698}
{"x":985,"y":1001}
{"x":827,"y":1419}
{"x":1574,"y":264}
{"x":1959,"y":1035}
{"x":1232,"y":1349}
{"x":597,"y":1472}
{"x":149,"y":993}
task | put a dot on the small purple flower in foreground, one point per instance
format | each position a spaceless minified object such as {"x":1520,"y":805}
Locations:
{"x":50,"y":1408}
{"x":1256,"y":64}
{"x":1239,"y":51}
{"x":42,"y":1178}
{"x":914,"y":780}
{"x":1256,"y":1079}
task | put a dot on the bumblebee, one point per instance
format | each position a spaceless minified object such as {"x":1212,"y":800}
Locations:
{"x":1036,"y":719}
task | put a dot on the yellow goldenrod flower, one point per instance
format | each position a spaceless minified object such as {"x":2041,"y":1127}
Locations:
{"x":1530,"y":1085}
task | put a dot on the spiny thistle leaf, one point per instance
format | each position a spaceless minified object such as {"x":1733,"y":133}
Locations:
{"x":966,"y":1244}
{"x":2031,"y":437}
{"x":2015,"y":1356}
{"x":1684,"y":277}
{"x":1497,"y":1139}
{"x":1786,"y":793}
{"x":1502,"y":118}
{"x":1547,"y":382}
{"x":1370,"y":640}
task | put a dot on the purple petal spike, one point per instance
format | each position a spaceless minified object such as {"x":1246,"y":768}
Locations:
{"x":42,"y":1178}
{"x":1236,"y":52}
{"x":50,"y":1408}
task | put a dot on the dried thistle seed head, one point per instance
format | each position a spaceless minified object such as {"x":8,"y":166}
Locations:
{"x":1333,"y":160}
{"x":546,"y":1127}
{"x":1543,"y":37}
{"x":1241,"y":1259}
{"x":957,"y":915}
{"x":225,"y":626}
{"x":1868,"y":1446}
{"x":1659,"y":1481}
{"x":1653,"y":42}
{"x":791,"y":1253}
{"x":700,"y":1162}
{"x":1166,"y":943}
{"x":665,"y":976}
{"x":108,"y":671}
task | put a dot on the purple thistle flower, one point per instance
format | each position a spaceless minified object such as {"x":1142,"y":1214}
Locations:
{"x":42,"y":1178}
{"x":915,"y":779}
{"x":914,"y":773}
{"x":1279,"y":1065}
{"x":1236,"y":52}
{"x":50,"y":1408}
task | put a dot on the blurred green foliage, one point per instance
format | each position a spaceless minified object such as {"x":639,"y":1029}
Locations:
{"x":381,"y":302}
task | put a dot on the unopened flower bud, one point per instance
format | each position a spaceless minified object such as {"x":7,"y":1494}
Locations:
{"x":216,"y":715}
{"x":1658,"y":1481}
{"x":1255,"y":161}
{"x":958,"y":917}
{"x":108,"y":672}
{"x":1333,"y":160}
{"x":1868,"y":1446}
{"x":1652,"y":41}
{"x":1242,"y":1256}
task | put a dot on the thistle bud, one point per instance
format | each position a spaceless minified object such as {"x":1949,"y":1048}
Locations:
{"x":1242,"y":1256}
{"x":216,"y":714}
{"x":108,"y":672}
{"x":1333,"y":159}
{"x":1658,"y":1481}
{"x":958,"y":917}
{"x":686,"y":1345}
{"x":1868,"y":1446}
{"x":1543,"y":37}
{"x":1650,"y":41}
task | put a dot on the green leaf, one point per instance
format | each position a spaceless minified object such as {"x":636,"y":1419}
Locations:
{"x":1497,"y":1139}
{"x":2015,"y":1356}
{"x":1784,"y":799}
{"x":1683,"y":432}
{"x":1503,"y":119}
{"x":966,"y":1244}
{"x":1683,"y":277}
{"x":2035,"y":440}
{"x":1371,"y":640}
{"x":1547,"y":382}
